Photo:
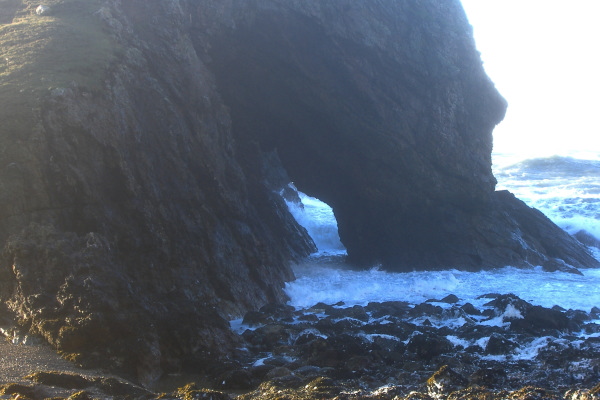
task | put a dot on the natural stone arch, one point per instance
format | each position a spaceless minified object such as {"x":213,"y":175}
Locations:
{"x":399,"y":146}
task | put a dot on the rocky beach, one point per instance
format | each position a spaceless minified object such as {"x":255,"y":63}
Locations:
{"x":509,"y":349}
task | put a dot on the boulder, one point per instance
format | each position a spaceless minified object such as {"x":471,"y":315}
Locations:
{"x":533,"y":393}
{"x":427,"y":346}
{"x":539,"y":319}
{"x":489,"y":377}
{"x":43,"y":10}
{"x":499,"y":345}
{"x":444,"y":382}
{"x":587,"y":238}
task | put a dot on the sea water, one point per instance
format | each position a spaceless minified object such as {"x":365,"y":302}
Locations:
{"x":566,"y":189}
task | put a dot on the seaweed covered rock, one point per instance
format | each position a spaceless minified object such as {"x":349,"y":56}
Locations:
{"x":444,"y":382}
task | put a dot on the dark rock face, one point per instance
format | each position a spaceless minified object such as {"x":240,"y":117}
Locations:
{"x":138,"y":207}
{"x":130,"y":230}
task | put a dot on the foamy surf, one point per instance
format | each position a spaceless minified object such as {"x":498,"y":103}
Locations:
{"x":566,"y":189}
{"x":333,"y":284}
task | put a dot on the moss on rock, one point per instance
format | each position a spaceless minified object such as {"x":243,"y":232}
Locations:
{"x":22,"y":391}
{"x":191,"y":391}
{"x":39,"y":53}
{"x":62,"y":379}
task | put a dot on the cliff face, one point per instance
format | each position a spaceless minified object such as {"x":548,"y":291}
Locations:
{"x":129,"y":227}
{"x":145,"y":140}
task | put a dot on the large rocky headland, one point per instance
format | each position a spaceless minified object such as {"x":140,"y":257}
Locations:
{"x":144,"y":144}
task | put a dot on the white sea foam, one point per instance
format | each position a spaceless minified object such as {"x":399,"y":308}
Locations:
{"x":331,"y":284}
{"x":372,"y":336}
{"x":456,"y":341}
{"x":527,"y":351}
{"x":565,"y":189}
{"x":319,"y":220}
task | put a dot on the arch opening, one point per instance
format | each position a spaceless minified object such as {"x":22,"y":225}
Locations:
{"x":317,"y":217}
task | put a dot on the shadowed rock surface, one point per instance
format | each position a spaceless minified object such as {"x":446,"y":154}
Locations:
{"x":144,"y":142}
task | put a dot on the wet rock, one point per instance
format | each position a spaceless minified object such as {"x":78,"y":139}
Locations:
{"x":277,"y":360}
{"x":81,"y":395}
{"x":278,"y":312}
{"x":267,"y":337}
{"x":502,"y":302}
{"x":255,"y":318}
{"x":191,"y":391}
{"x":426,"y":345}
{"x":583,"y":394}
{"x":398,"y":329}
{"x":21,"y":391}
{"x":470,"y":309}
{"x":358,"y":313}
{"x":426,"y":309}
{"x":444,"y":382}
{"x":588,"y":239}
{"x":237,"y":379}
{"x":555,"y":264}
{"x":499,"y":345}
{"x":533,"y":393}
{"x":538,"y":319}
{"x":450,"y":299}
{"x":318,"y":388}
{"x":290,"y":194}
{"x":389,"y":349}
{"x":278,"y":372}
{"x":489,"y":377}
{"x":579,"y":394}
{"x":476,"y":393}
{"x":62,"y":379}
{"x":117,"y":387}
{"x":417,"y":396}
{"x":307,"y":336}
{"x":348,"y":325}
{"x":308,"y":318}
{"x":577,"y":316}
{"x":322,"y":308}
{"x":323,"y":386}
{"x":396,"y":309}
{"x":337,"y":350}
{"x":309,"y":372}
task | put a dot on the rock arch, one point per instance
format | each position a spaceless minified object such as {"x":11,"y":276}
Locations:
{"x":392,"y":128}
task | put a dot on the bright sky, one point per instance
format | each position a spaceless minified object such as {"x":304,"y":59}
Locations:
{"x":544,"y":57}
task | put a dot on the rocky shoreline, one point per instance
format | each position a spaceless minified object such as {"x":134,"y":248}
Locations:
{"x":507,"y":349}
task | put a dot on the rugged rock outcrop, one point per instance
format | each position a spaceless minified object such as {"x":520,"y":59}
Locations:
{"x":395,"y":137}
{"x":130,"y":229}
{"x":142,"y":143}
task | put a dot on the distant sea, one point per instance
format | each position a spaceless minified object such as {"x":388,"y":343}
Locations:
{"x":565,"y":188}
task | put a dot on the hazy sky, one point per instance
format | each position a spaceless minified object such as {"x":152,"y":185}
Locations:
{"x":544,"y":57}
